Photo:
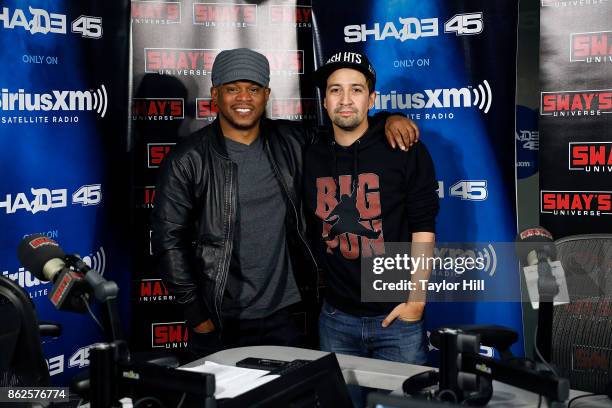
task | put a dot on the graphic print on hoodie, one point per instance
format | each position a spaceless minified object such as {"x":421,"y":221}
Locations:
{"x":359,"y":197}
{"x":351,"y":219}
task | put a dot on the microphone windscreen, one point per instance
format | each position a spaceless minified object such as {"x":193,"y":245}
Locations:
{"x":35,"y":251}
{"x":535,"y":238}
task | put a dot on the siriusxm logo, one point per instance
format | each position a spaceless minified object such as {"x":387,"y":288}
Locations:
{"x":24,"y":278}
{"x":96,"y":261}
{"x":466,"y":97}
{"x":55,"y":100}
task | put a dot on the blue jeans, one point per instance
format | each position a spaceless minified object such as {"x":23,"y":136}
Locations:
{"x":401,"y":341}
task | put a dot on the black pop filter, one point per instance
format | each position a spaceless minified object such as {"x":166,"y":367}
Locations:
{"x":35,"y":251}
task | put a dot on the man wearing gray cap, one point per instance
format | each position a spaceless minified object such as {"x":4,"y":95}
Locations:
{"x":228,"y":229}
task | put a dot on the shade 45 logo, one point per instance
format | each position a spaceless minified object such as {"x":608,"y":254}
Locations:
{"x":41,"y":21}
{"x":156,"y":152}
{"x":179,"y":61}
{"x":413,"y":28}
{"x":295,"y":16}
{"x":156,"y":12}
{"x":154,"y":291}
{"x":576,"y":103}
{"x":158,"y":108}
{"x":293,"y":108}
{"x":576,"y":203}
{"x":206,"y":109}
{"x":590,"y":157}
{"x":224,"y":14}
{"x":591,"y":47}
{"x":529,"y":139}
{"x":44,"y":199}
{"x":171,"y":335}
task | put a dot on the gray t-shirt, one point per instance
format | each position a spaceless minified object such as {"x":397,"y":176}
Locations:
{"x":260,"y":279}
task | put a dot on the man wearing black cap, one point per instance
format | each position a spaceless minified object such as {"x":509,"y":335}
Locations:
{"x":227,"y":223}
{"x":359,"y":194}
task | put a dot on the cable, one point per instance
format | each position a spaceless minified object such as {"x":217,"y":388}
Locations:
{"x":535,"y":347}
{"x":148,"y":399}
{"x":91,"y":313}
{"x":569,"y":404}
{"x":180,"y":403}
{"x":539,"y":400}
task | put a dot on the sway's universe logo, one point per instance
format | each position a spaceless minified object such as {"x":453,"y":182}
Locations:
{"x":154,"y":291}
{"x":576,"y":203}
{"x":571,"y":3}
{"x":296,"y":16}
{"x":480,"y":97}
{"x":206,"y":109}
{"x":146,"y":197}
{"x":590,"y":157}
{"x":198,"y":61}
{"x":156,"y":12}
{"x":156,"y":152}
{"x":38,"y":105}
{"x":40,"y":21}
{"x":592,"y":102}
{"x":591,"y":47}
{"x":413,"y":28}
{"x":293,"y":108}
{"x":179,"y":61}
{"x":225,"y":15}
{"x":158,"y":108}
{"x":169,"y":335}
{"x":285,"y":62}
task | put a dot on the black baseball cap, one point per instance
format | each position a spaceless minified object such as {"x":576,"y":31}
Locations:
{"x":345,"y":59}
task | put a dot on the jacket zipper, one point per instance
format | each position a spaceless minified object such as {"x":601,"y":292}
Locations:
{"x":219,"y":294}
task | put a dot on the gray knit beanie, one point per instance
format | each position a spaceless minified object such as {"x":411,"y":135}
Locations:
{"x":240,"y":64}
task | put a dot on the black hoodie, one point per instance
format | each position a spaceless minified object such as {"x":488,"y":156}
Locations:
{"x":385,"y":195}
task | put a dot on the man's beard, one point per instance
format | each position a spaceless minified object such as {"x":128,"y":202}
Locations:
{"x":350,"y":123}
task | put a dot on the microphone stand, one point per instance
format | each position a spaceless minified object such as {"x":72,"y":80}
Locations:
{"x":459,"y":357}
{"x":547,"y":289}
{"x":112,"y":372}
{"x":104,"y":291}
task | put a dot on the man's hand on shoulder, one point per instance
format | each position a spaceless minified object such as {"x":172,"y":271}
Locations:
{"x":205,"y":327}
{"x":401,"y":132}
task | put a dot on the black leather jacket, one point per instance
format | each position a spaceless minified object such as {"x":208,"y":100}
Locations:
{"x":195,"y":214}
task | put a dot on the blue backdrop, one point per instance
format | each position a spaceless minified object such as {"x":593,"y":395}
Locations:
{"x":64,"y":80}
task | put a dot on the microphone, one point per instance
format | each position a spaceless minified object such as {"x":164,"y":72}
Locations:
{"x":535,"y":245}
{"x":44,"y":258}
{"x":73,"y":279}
